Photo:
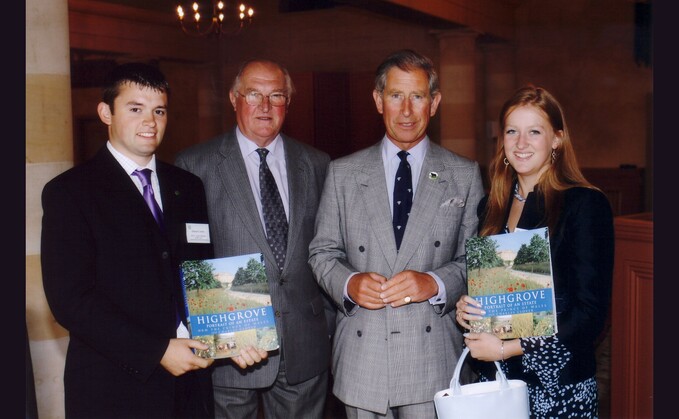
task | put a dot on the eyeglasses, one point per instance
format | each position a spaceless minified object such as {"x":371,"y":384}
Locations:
{"x":254,"y":98}
{"x":397,"y":99}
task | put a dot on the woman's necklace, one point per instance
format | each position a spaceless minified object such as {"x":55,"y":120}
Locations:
{"x":517,"y":195}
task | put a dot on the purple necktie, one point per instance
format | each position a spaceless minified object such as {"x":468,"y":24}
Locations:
{"x":145,"y":176}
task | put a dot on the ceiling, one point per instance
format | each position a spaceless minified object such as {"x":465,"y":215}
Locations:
{"x":384,"y":7}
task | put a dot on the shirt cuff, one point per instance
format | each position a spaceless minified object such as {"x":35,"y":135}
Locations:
{"x":439,"y":298}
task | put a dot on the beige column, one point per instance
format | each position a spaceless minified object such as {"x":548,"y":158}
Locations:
{"x":458,"y":76}
{"x":49,"y":151}
{"x":499,"y":77}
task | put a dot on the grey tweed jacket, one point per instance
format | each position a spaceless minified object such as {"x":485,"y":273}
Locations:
{"x":298,"y":302}
{"x":395,"y":356}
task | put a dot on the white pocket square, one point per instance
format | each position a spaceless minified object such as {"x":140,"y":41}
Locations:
{"x":453,"y":202}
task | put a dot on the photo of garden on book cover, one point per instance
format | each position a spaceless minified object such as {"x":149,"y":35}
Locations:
{"x":228,"y":305}
{"x":511,"y":276}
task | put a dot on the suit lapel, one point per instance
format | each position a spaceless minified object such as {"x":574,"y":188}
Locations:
{"x":121,"y":191}
{"x":234,"y":177}
{"x":371,"y":183}
{"x":429,"y":193}
{"x":298,"y":183}
{"x":170,"y":195}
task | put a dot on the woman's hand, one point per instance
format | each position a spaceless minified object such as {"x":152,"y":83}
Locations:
{"x":468,"y":309}
{"x":485,"y":346}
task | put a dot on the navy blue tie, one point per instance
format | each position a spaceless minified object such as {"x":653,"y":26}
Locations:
{"x":273,"y":211}
{"x":403,"y":197}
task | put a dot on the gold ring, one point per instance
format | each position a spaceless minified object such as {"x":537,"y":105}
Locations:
{"x":407,"y":300}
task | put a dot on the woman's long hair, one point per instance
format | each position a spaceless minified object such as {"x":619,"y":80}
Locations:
{"x":563,"y":172}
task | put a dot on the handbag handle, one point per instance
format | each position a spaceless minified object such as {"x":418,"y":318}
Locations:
{"x":455,"y":381}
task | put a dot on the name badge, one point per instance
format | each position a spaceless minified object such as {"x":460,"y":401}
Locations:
{"x":197,"y":233}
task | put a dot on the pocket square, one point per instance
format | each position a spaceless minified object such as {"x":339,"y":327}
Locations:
{"x":453,"y":202}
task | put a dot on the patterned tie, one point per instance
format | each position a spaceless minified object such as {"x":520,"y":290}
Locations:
{"x":145,"y":176}
{"x":403,"y":197}
{"x":274,"y":213}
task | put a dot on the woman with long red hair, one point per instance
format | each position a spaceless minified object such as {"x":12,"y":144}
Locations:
{"x":535,"y":182}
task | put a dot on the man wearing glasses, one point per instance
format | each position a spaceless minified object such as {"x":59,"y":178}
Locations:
{"x":246,"y":172}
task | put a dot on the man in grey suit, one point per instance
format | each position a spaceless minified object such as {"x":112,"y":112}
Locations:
{"x":396,"y":343}
{"x":291,"y":381}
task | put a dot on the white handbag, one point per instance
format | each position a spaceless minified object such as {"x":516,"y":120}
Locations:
{"x":499,"y":399}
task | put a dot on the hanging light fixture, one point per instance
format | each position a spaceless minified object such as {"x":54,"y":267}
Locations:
{"x":213,"y":18}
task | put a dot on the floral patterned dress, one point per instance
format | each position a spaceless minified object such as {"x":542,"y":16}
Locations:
{"x":546,"y":357}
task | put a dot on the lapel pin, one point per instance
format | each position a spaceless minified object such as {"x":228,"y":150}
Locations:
{"x":433,"y":175}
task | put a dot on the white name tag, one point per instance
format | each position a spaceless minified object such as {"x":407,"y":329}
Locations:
{"x":197,"y":233}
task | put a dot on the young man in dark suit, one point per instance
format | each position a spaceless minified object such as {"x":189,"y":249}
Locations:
{"x":110,"y":268}
{"x":235,"y":168}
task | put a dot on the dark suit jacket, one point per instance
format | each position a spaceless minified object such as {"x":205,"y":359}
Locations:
{"x":236,"y":229}
{"x":582,"y":248}
{"x":111,"y":278}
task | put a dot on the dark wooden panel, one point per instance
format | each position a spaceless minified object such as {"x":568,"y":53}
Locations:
{"x":331,"y":113}
{"x":367,"y":127}
{"x":299,"y":119}
{"x":623,"y":186}
{"x":631,"y":314}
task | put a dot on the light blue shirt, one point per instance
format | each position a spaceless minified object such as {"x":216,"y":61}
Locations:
{"x":276,"y":162}
{"x":391,"y":160}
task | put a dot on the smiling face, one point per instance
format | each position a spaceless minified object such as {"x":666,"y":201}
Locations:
{"x":137,"y":123}
{"x":260,"y":123}
{"x":406,"y":106}
{"x":528,"y":140}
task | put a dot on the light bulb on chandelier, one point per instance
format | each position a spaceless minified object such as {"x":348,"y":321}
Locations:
{"x":222,"y":21}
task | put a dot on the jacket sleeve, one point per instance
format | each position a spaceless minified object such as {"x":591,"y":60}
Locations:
{"x":585,"y":263}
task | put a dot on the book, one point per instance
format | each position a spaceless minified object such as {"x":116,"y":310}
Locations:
{"x":228,"y":305}
{"x":511,"y":276}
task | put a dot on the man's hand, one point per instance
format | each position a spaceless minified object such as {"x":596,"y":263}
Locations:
{"x":179,"y":357}
{"x":408,"y":287}
{"x":365,"y":288}
{"x":250,"y":356}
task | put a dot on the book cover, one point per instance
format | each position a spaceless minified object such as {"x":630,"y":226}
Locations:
{"x":228,"y":305}
{"x":511,"y":276}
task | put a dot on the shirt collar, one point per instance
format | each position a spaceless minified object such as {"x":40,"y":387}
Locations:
{"x":128,"y":165}
{"x":389,"y":150}
{"x":248,"y":147}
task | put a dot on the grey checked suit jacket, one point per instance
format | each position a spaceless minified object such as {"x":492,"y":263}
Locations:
{"x":236,"y":228}
{"x":395,"y":356}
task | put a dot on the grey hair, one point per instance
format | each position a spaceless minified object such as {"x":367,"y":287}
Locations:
{"x":407,"y":60}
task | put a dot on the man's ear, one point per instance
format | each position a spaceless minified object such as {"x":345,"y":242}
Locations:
{"x":378,"y":101}
{"x":435,"y":104}
{"x":232,"y":98}
{"x":104,"y":112}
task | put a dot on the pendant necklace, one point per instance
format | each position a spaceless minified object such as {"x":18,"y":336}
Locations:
{"x":517,"y":195}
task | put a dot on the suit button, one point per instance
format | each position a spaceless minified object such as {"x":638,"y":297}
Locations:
{"x":437,"y":243}
{"x":282,"y":280}
{"x":361,"y":249}
{"x":359,"y":333}
{"x":165,"y":255}
{"x":428,"y":329}
{"x":277,"y":313}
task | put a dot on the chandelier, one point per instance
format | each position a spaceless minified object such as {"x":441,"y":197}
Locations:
{"x":213,"y":19}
